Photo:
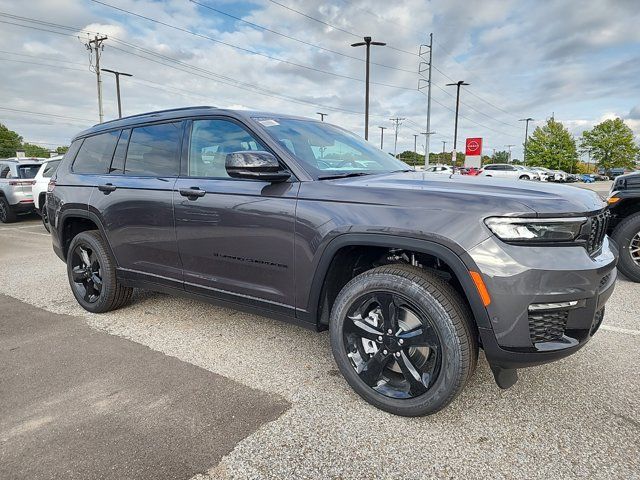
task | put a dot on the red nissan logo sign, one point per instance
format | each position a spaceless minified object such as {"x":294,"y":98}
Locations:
{"x":474,"y":146}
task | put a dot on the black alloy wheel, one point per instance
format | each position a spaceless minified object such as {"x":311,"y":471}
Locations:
{"x":392,"y":345}
{"x":86,"y":273}
{"x":404,"y":339}
{"x":6,"y":214}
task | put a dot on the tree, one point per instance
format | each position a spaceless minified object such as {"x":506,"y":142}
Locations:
{"x":611,"y":144}
{"x":10,"y":141}
{"x":501,"y":156}
{"x":62,"y":150}
{"x":552,"y":146}
{"x":31,"y":150}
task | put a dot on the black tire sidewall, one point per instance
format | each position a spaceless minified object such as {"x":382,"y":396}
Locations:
{"x":448,"y":382}
{"x":622,"y":235}
{"x":9,"y":215}
{"x":93,"y":240}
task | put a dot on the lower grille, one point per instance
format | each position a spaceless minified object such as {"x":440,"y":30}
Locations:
{"x":547,"y":326}
{"x":604,"y":280}
{"x":598,"y":230}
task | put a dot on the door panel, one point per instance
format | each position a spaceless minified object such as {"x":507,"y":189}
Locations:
{"x":237,"y":238}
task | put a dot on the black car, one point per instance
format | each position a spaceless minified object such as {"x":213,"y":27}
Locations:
{"x":624,"y":205}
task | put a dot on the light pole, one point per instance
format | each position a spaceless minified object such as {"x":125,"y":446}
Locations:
{"x":458,"y":84}
{"x":526,"y":137}
{"x":367,"y":42}
{"x":509,"y":147}
{"x":382,"y":129}
{"x":322,"y":115}
{"x":117,"y":74}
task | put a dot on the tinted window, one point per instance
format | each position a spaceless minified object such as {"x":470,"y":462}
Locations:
{"x":28,"y":171}
{"x":211,"y":141}
{"x":95,"y":153}
{"x":50,"y":168}
{"x":117,"y":164}
{"x":153,"y":150}
{"x":490,"y":167}
{"x":4,"y":171}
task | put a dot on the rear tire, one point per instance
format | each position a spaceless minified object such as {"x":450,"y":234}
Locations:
{"x":391,"y":375}
{"x":92,"y":274}
{"x":7,"y":215}
{"x":627,"y":236}
{"x":44,"y":215}
{"x":524,"y":177}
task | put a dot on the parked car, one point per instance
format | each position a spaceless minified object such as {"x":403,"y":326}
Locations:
{"x":588,"y":178}
{"x":532,"y":174}
{"x":624,"y":205}
{"x":615,"y":172}
{"x":545,"y":174}
{"x":243,"y":208}
{"x":40,"y":183}
{"x":443,"y":169}
{"x":16,"y":180}
{"x":505,"y":170}
{"x":560,"y":176}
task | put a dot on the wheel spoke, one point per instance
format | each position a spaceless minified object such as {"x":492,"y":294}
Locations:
{"x":422,"y":336}
{"x":389,"y":310}
{"x":418,"y":382}
{"x":372,"y":369}
{"x":84,"y":255}
{"x":97,"y":283}
{"x":77,"y":274}
{"x":361,"y":328}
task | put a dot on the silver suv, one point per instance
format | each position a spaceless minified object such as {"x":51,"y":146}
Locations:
{"x":16,"y":180}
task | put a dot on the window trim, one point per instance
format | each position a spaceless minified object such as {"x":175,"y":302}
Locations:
{"x":186,"y":150}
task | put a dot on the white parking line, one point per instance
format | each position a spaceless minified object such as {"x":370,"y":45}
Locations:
{"x":626,"y":331}
{"x":20,"y":229}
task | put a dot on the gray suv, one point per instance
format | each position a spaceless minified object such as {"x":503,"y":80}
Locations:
{"x":16,"y":180}
{"x":298,"y":219}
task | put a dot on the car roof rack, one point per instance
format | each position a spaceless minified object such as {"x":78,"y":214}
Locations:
{"x":155,"y":112}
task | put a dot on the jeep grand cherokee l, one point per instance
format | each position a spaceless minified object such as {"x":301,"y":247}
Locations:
{"x":301,"y":220}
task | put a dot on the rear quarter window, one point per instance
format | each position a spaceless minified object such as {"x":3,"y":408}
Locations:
{"x":95,"y":153}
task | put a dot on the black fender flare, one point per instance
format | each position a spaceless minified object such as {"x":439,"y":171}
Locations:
{"x":460,"y":263}
{"x":69,"y":213}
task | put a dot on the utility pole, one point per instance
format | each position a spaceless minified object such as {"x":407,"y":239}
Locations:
{"x":398,"y":121}
{"x":420,"y":70}
{"x":382,"y":129}
{"x":444,"y":146}
{"x":367,"y":42}
{"x":322,"y":115}
{"x":415,"y":143}
{"x":526,"y":136}
{"x":117,"y":74}
{"x":509,"y":147}
{"x":458,"y":84}
{"x":96,"y":45}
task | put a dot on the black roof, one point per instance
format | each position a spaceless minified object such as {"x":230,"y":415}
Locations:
{"x":175,"y":113}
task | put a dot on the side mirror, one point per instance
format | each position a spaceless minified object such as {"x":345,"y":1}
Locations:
{"x":252,"y":165}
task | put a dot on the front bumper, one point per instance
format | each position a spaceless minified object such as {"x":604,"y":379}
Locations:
{"x":518,"y":277}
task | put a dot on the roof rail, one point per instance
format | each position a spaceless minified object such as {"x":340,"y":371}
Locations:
{"x":156,"y":112}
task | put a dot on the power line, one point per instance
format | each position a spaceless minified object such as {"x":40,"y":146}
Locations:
{"x":45,"y":114}
{"x":304,"y":42}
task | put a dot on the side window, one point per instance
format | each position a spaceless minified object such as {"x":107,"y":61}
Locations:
{"x":154,"y":150}
{"x":117,"y":164}
{"x":50,"y":169}
{"x":490,"y":167}
{"x":95,"y":153}
{"x":211,"y":141}
{"x":4,"y":171}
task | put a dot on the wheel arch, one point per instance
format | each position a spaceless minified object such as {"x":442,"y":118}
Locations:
{"x":74,"y":221}
{"x":318,"y":307}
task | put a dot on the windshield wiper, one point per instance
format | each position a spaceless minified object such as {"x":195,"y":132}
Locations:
{"x":343,"y":175}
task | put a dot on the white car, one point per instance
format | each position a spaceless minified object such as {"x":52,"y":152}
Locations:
{"x":40,"y":184}
{"x":560,"y":176}
{"x":505,"y":170}
{"x":444,"y":169}
{"x":546,"y":175}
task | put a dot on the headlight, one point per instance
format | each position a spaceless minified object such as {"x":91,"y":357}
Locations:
{"x":535,"y":229}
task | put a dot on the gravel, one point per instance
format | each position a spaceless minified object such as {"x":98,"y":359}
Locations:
{"x":574,"y":418}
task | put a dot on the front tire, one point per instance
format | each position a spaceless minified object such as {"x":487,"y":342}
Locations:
{"x":92,"y":274}
{"x":403,"y":340}
{"x":627,"y":236}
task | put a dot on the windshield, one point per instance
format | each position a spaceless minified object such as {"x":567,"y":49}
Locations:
{"x":326,"y":150}
{"x":28,"y":171}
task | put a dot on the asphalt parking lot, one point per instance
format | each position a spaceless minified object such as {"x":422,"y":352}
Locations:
{"x":579,"y":417}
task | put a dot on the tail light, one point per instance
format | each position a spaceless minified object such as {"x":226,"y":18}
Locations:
{"x":51,"y":186}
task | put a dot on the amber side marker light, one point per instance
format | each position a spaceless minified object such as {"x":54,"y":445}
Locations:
{"x":612,"y":200}
{"x":482,"y":288}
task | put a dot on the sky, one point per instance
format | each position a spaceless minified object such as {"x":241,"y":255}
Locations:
{"x":578,"y":60}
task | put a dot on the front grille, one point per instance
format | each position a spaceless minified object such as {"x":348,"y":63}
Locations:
{"x":547,"y":326}
{"x":598,"y":230}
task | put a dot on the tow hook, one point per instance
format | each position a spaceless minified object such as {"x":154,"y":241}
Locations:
{"x":504,"y":377}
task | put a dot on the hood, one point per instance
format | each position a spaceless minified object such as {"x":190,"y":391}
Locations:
{"x":509,"y":196}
